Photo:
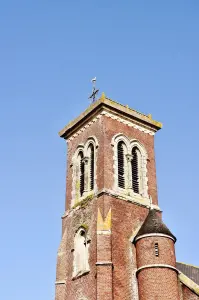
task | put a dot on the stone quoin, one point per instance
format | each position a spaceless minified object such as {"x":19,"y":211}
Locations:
{"x":114,"y":243}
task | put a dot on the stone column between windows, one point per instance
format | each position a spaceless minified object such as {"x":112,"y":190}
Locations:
{"x":86,"y":175}
{"x":129,"y":158}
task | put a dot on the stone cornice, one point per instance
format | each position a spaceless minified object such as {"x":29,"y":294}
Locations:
{"x":94,"y":112}
{"x":157,"y":266}
{"x":137,"y":200}
{"x":154,"y":234}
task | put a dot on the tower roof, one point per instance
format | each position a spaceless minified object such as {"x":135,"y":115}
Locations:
{"x":154,"y":224}
{"x":113,"y":107}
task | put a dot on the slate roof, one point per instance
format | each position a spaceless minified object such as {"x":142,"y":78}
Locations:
{"x":154,"y":224}
{"x":190,"y":271}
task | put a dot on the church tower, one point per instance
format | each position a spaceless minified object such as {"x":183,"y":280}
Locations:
{"x":114,"y":244}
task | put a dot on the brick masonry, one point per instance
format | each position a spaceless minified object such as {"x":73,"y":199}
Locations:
{"x":113,"y":258}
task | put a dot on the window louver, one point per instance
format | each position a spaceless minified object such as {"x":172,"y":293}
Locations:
{"x":121,"y":178}
{"x":156,"y":249}
{"x":135,"y":175}
{"x":92,"y":168}
{"x":81,"y":174}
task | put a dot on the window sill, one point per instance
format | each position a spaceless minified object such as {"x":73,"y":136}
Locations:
{"x":80,"y":274}
{"x":82,"y":200}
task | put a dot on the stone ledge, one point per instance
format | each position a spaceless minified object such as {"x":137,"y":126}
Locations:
{"x":104,"y":263}
{"x":153,"y":234}
{"x":137,"y":200}
{"x":60,"y":282}
{"x":157,"y":266}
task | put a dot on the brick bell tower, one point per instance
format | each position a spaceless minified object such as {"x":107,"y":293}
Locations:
{"x":114,"y":244}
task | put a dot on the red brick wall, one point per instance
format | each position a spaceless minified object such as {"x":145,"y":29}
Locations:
{"x":161,"y":282}
{"x":96,"y":129}
{"x":126,"y":219}
{"x":104,"y":130}
{"x":158,"y":284}
{"x":188,"y":294}
{"x":146,"y":251}
{"x":84,"y":286}
{"x":113,"y":127}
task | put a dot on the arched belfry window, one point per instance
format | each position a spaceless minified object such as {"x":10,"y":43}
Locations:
{"x":135,"y":163}
{"x":80,"y":263}
{"x":130,"y":165}
{"x":81,"y":173}
{"x":84,"y":167}
{"x":121,"y":165}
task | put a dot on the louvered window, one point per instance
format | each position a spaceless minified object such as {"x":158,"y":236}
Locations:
{"x":81,"y":174}
{"x":91,"y":167}
{"x":156,"y":249}
{"x":121,"y":174}
{"x":135,"y":170}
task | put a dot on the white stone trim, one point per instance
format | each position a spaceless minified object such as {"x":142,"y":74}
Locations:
{"x":114,"y":117}
{"x":157,"y":266}
{"x":104,"y":263}
{"x":104,"y":232}
{"x":154,"y":234}
{"x":143,"y":166}
{"x":137,"y":200}
{"x":80,"y":267}
{"x":58,"y":282}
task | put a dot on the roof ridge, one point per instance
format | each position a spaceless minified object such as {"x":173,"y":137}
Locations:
{"x":190,"y":265}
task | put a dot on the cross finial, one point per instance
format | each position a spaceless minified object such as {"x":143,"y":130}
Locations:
{"x":94,"y":90}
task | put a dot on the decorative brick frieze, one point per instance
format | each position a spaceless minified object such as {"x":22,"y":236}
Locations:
{"x":114,"y":117}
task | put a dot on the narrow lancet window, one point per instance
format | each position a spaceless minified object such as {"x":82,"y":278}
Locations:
{"x":156,"y":249}
{"x":92,"y":165}
{"x":81,"y":179}
{"x":121,"y":171}
{"x":135,"y":170}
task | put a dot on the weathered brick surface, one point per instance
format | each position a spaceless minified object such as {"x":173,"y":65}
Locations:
{"x":120,"y":282}
{"x":103,"y":247}
{"x":112,"y":127}
{"x":96,"y":129}
{"x":126,"y":218}
{"x":188,"y":294}
{"x":104,"y":130}
{"x":104,"y":283}
{"x":145,"y":248}
{"x":60,"y":292}
{"x":83,"y":287}
{"x":160,"y":284}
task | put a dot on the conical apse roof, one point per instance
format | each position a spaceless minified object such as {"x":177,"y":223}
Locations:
{"x":154,"y":224}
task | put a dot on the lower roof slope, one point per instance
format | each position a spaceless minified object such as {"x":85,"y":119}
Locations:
{"x":190,"y":271}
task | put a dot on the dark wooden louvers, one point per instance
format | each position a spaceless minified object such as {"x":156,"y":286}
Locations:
{"x":121,"y":178}
{"x":81,"y":174}
{"x":135,"y":175}
{"x":92,"y":168}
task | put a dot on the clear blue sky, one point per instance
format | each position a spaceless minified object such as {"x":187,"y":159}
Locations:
{"x":144,"y":54}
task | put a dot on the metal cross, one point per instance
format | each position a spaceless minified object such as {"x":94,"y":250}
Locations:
{"x":94,"y":90}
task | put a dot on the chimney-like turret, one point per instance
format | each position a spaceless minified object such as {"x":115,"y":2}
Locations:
{"x":156,"y":262}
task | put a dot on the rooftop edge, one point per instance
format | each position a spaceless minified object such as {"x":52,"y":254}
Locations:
{"x":103,"y":101}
